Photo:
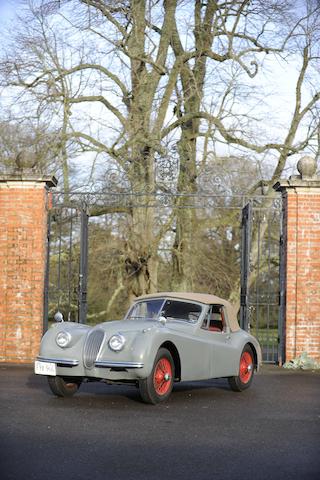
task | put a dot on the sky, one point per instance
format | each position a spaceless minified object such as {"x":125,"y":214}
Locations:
{"x":7,"y":10}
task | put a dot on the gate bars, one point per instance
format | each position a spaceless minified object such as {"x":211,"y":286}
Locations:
{"x":67,"y":264}
{"x":261,"y":271}
{"x":262,"y":282}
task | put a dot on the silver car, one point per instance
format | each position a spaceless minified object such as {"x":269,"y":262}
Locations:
{"x":164,"y":338}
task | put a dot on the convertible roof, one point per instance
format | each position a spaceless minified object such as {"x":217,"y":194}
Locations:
{"x":205,"y":298}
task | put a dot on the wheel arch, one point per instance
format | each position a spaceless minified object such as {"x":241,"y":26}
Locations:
{"x":255,"y":354}
{"x":176,"y":357}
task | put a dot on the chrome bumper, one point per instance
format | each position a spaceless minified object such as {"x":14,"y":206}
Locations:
{"x":106,"y":364}
{"x":61,"y":362}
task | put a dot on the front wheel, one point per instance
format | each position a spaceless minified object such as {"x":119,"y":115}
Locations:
{"x":157,"y":387}
{"x":64,"y":386}
{"x":246,"y":370}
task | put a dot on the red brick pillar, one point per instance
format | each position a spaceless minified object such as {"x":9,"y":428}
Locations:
{"x":301,"y":203}
{"x":23,"y":229}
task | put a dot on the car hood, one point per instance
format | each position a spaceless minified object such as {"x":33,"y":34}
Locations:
{"x":127,"y":326}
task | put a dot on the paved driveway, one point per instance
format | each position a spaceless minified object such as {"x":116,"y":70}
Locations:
{"x":205,"y":431}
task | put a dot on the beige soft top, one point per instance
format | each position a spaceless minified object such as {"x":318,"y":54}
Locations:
{"x":201,"y":298}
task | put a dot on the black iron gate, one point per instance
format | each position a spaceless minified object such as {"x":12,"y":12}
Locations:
{"x":260,"y":310}
{"x":67,"y":264}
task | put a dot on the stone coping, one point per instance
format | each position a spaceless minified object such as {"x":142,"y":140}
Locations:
{"x":50,"y":181}
{"x":296,"y":182}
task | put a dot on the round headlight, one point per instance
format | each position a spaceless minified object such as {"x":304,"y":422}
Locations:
{"x":63,"y":339}
{"x":116,"y":342}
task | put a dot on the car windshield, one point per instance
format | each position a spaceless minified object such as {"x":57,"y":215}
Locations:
{"x":170,"y":309}
{"x":181,"y":311}
{"x":146,"y":310}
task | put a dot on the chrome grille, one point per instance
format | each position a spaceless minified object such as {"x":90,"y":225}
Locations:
{"x":92,"y":347}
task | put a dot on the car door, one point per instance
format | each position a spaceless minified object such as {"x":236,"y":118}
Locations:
{"x":222,"y":348}
{"x":194,"y":351}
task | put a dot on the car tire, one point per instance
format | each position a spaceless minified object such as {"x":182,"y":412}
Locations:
{"x":246,"y":370}
{"x":158,"y":386}
{"x":64,"y":386}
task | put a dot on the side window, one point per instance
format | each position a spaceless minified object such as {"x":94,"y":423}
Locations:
{"x":215,"y":321}
{"x":174,"y":310}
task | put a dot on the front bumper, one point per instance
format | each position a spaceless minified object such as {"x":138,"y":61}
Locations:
{"x":107,"y":364}
{"x":102,"y":369}
{"x":60,"y":362}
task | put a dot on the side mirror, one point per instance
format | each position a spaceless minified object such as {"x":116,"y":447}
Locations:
{"x":162,"y":320}
{"x":58,"y":317}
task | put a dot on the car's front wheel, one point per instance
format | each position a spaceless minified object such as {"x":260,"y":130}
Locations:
{"x":157,"y":387}
{"x":64,"y":386}
{"x":246,"y":370}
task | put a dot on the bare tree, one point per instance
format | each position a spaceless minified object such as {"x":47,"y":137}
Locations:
{"x":241,"y":33}
{"x":134,"y":83}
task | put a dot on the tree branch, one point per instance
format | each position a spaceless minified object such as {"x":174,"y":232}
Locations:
{"x":222,"y":130}
{"x":104,"y":101}
{"x":103,"y":8}
{"x":99,"y":145}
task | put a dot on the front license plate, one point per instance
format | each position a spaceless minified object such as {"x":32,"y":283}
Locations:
{"x":45,"y":368}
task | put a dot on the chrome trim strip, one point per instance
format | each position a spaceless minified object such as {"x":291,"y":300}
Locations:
{"x":106,"y":364}
{"x":59,"y":361}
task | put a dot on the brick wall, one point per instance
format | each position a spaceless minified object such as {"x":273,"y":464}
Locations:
{"x":302,"y":236}
{"x":23,"y":227}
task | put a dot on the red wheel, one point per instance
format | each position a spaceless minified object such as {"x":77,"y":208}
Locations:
{"x":246,"y":371}
{"x":162,"y":377}
{"x":246,"y":367}
{"x":158,"y":386}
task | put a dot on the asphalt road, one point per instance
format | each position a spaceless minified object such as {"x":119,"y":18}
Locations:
{"x":205,"y":431}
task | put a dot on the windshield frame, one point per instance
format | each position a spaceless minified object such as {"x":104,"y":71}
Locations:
{"x":134,"y":305}
{"x":157,"y":316}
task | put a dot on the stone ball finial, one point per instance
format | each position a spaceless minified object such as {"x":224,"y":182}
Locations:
{"x":307,"y":167}
{"x":25,"y":161}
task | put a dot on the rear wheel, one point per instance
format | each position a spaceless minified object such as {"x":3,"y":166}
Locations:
{"x":64,"y":386}
{"x":157,"y":387}
{"x":246,"y":370}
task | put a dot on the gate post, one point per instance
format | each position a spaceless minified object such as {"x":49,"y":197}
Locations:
{"x":83,"y":270}
{"x":245,"y":265}
{"x":300,"y":257}
{"x":23,"y":231}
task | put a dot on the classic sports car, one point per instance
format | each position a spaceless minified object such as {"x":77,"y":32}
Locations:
{"x":164,"y":338}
